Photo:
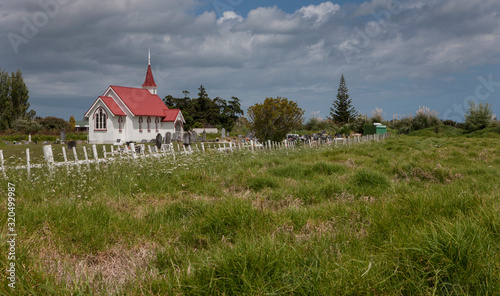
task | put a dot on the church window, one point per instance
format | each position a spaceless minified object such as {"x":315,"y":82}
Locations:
{"x":120,"y":122}
{"x":140,"y":123}
{"x":100,"y":118}
{"x":149,"y":123}
{"x":157,"y":123}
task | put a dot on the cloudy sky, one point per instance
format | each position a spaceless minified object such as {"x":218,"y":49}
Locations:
{"x":395,"y":55}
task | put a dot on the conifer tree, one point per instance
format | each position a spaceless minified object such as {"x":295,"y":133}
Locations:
{"x":342,"y":111}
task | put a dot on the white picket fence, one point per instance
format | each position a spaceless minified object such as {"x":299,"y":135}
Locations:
{"x":139,"y":151}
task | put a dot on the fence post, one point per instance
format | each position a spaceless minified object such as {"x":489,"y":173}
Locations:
{"x":75,"y":155}
{"x":28,"y":162}
{"x":94,"y":151}
{"x":86,"y":155}
{"x":49,"y":156}
{"x":132,"y":149}
{"x":1,"y":162}
{"x":104,"y":151}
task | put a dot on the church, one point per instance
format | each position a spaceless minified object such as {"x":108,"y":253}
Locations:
{"x":125,"y":114}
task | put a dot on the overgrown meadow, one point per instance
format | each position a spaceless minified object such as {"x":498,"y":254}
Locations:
{"x":411,"y":215}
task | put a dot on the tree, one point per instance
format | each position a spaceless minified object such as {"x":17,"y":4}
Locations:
{"x":13,"y":99}
{"x":274,"y":118}
{"x":53,"y":123}
{"x":19,"y":95}
{"x":478,"y":116}
{"x":342,"y":111}
{"x":205,"y":112}
{"x":5,"y":103}
{"x":72,"y":123}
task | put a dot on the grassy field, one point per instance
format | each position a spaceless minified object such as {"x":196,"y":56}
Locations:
{"x":412,"y":215}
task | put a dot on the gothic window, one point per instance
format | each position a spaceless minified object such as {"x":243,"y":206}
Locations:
{"x":100,"y":118}
{"x":149,"y":123}
{"x":120,"y":122}
{"x":140,"y":123}
{"x":157,"y":123}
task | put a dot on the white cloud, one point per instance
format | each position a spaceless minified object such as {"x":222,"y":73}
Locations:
{"x":322,"y":11}
{"x":229,"y":16}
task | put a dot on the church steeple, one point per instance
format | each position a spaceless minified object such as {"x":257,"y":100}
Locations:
{"x":149,"y":82}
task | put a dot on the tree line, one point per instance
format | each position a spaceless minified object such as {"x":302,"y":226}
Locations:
{"x":206,"y":112}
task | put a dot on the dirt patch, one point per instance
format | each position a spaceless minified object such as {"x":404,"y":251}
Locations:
{"x":106,"y":271}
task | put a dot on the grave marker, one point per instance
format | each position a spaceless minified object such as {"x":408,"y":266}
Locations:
{"x":159,"y":140}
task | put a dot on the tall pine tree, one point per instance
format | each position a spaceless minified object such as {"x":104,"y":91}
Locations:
{"x":342,"y":111}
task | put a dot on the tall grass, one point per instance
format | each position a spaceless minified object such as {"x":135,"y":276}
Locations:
{"x":411,"y":215}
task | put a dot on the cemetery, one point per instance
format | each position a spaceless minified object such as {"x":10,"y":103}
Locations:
{"x":160,"y":146}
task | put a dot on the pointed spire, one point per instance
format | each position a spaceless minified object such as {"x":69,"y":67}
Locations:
{"x":149,"y":82}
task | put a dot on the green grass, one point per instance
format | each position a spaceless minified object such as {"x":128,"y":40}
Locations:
{"x":411,"y":215}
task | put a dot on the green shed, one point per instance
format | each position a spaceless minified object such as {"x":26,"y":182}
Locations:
{"x":376,"y":128}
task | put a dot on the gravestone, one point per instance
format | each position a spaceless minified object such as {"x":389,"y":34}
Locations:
{"x":187,"y":139}
{"x":168,"y":138}
{"x":204,"y":136}
{"x":71,"y":144}
{"x":63,"y":135}
{"x":175,"y":137}
{"x":159,"y":140}
{"x":223,"y":133}
{"x":194,"y":137}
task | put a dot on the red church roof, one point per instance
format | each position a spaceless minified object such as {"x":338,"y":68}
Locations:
{"x":149,"y":81}
{"x":171,"y":115}
{"x":142,"y":103}
{"x":112,"y":105}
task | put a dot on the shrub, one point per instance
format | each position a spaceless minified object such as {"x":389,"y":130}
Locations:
{"x":425,"y":118}
{"x":315,"y":124}
{"x":359,"y":123}
{"x":377,"y":115}
{"x":478,"y":116}
{"x":402,"y":124}
{"x":26,"y":126}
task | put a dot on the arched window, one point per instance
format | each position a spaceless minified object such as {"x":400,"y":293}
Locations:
{"x":149,"y":123}
{"x":120,"y":122}
{"x":157,"y":123}
{"x":140,"y":123}
{"x":100,"y":118}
